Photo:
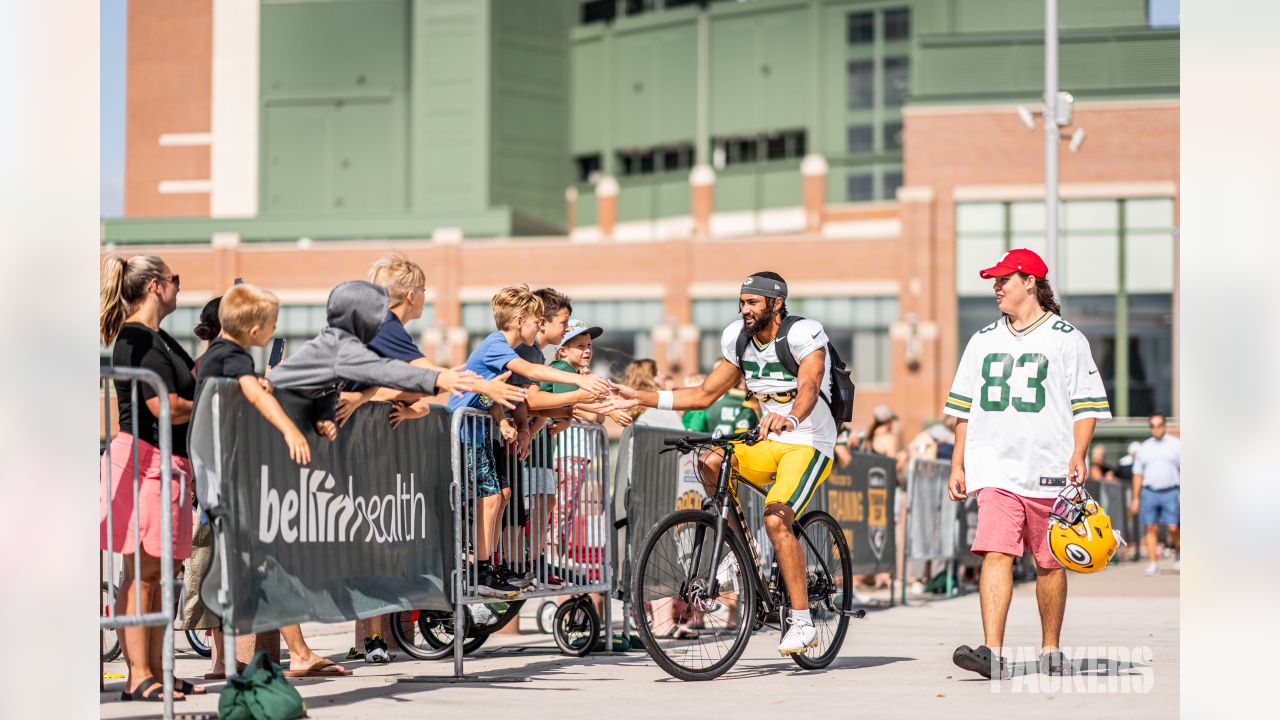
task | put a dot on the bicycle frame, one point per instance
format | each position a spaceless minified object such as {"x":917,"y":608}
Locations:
{"x":719,"y":502}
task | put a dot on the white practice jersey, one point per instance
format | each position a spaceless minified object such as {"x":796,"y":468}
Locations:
{"x":765,"y":374}
{"x":1022,"y":394}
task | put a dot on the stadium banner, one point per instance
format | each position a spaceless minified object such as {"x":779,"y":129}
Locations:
{"x":860,"y":497}
{"x":364,"y":529}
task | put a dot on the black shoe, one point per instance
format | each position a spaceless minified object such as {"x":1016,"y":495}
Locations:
{"x":505,"y":574}
{"x":1054,"y":663}
{"x":375,"y":650}
{"x":491,"y":585}
{"x":982,"y":661}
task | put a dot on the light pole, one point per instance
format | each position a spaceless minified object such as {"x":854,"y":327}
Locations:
{"x":1052,"y":136}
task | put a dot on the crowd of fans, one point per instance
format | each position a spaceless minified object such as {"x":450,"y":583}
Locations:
{"x":531,"y":375}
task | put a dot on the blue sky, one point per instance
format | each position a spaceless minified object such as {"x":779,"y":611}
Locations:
{"x":113,"y":31}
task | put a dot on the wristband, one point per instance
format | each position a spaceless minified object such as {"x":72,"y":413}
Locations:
{"x":666,"y":399}
{"x":795,"y":424}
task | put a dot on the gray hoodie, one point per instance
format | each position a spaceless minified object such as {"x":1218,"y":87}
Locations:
{"x":318,"y":370}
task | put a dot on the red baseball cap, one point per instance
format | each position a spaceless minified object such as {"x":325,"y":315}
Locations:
{"x":1017,"y":260}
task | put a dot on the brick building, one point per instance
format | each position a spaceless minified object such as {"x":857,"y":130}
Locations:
{"x":645,"y":155}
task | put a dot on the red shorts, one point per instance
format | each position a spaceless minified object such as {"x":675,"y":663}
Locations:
{"x":116,"y":488}
{"x":1009,"y":523}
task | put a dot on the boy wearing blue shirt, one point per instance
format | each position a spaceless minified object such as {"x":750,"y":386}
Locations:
{"x":517,"y":313}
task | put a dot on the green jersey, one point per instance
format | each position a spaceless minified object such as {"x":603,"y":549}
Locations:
{"x":730,"y":414}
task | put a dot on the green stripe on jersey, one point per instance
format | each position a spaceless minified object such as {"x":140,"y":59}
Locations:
{"x":959,"y":408}
{"x":961,"y":398}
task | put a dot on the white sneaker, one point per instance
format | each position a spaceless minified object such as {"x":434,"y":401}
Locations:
{"x":482,"y":615}
{"x":1153,"y":569}
{"x":802,"y":636}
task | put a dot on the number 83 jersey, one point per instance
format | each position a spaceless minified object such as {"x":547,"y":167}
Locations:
{"x":1022,"y":393}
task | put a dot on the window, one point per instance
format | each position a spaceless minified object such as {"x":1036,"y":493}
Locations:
{"x":862,"y":85}
{"x":783,"y":145}
{"x":893,"y":135}
{"x":897,"y":73}
{"x":636,"y":162}
{"x":860,"y":139}
{"x":1163,"y":14}
{"x":897,"y":24}
{"x":588,"y":167}
{"x":594,"y":11}
{"x":859,"y":188}
{"x":862,"y":28}
{"x":892,"y":181}
{"x":676,"y":157}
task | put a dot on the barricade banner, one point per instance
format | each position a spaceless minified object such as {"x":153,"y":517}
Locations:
{"x":364,"y":529}
{"x":931,"y":515}
{"x":861,"y":497}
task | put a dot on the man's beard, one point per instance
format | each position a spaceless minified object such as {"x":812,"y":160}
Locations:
{"x":766,"y":317}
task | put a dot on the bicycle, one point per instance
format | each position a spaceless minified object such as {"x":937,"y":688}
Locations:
{"x":428,"y":634}
{"x":201,"y":641}
{"x":722,"y":586}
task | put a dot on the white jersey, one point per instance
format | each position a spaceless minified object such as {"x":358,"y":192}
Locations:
{"x":765,"y":374}
{"x":1022,"y":394}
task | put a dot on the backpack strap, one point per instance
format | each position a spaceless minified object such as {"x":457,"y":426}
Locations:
{"x":741,"y":347}
{"x":783,"y":348}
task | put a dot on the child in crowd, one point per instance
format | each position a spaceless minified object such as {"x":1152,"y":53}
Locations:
{"x":518,"y":315}
{"x":318,"y":370}
{"x":248,"y":317}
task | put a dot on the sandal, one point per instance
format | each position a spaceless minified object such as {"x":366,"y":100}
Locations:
{"x":324,"y":668}
{"x":142,"y":694}
{"x":186,"y":688}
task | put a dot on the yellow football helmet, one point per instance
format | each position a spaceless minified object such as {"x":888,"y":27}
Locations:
{"x":1080,"y":534}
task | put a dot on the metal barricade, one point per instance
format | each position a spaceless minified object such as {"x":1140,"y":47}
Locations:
{"x":110,"y":376}
{"x":556,"y":520}
{"x":933,"y":525}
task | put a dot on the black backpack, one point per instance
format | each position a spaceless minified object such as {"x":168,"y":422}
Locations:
{"x":841,"y":400}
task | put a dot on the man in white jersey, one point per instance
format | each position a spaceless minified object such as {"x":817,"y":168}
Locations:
{"x":797,"y":458}
{"x":1026,"y":396}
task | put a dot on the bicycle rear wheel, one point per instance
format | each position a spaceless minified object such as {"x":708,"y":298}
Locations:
{"x":669,"y":593}
{"x":829,"y":575}
{"x":428,"y":634}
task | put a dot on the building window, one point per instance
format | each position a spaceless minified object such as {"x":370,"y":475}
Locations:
{"x":784,"y":144}
{"x":588,"y":167}
{"x":897,"y":72}
{"x":897,"y":24}
{"x":636,"y":162}
{"x":892,"y":181}
{"x":861,"y":85}
{"x":859,"y":187}
{"x":860,"y":139}
{"x":771,"y":145}
{"x":893,"y":135}
{"x":862,"y":28}
{"x":594,"y":11}
{"x":676,"y":157}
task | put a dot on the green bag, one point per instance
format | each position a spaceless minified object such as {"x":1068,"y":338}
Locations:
{"x":261,"y":692}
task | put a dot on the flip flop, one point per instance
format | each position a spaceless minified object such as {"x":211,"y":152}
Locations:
{"x":215,"y":676}
{"x":186,"y":688}
{"x":324,"y":668}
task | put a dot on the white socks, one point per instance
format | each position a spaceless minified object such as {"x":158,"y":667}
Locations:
{"x":801,"y":616}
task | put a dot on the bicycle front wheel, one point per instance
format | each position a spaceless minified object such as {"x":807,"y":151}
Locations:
{"x":692,"y":632}
{"x":829,"y":578}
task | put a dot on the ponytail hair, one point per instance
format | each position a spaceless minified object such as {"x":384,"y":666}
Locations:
{"x":1044,"y":296}
{"x":124,"y":284}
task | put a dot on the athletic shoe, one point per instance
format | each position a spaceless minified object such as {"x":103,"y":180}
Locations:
{"x":551,"y":582}
{"x":802,"y":636}
{"x":1054,"y":663}
{"x":490,"y":585}
{"x":982,"y":661}
{"x":375,"y":650}
{"x":517,"y":580}
{"x":1153,"y":569}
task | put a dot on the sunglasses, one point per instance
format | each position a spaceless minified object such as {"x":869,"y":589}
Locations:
{"x":175,"y":279}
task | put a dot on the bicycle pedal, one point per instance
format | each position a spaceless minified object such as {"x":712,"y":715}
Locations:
{"x":857,"y":613}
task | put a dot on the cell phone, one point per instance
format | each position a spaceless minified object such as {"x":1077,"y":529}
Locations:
{"x":239,"y":281}
{"x":277,"y":352}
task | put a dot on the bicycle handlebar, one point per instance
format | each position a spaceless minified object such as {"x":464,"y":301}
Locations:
{"x":689,"y":443}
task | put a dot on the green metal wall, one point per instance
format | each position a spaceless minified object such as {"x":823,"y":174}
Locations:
{"x":334,"y":89}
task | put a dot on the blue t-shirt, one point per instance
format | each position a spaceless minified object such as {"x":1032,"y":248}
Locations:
{"x":392,"y":341}
{"x":488,"y":360}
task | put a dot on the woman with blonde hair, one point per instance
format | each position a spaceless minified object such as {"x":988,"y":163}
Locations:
{"x":137,"y":294}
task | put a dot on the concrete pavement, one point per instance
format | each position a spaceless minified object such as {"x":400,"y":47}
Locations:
{"x":894,"y":663}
